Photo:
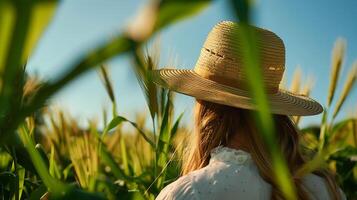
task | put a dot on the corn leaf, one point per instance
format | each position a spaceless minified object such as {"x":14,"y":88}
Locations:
{"x":264,"y":119}
{"x":118,"y":120}
{"x":171,"y":11}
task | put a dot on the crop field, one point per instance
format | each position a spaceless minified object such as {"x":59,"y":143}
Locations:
{"x":46,"y":154}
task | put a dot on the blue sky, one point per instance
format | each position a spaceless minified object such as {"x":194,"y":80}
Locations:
{"x":308,"y":28}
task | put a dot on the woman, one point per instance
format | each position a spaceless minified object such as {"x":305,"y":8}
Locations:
{"x":227,"y":158}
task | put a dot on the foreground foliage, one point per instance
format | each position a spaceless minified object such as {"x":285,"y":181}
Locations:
{"x":44,"y":153}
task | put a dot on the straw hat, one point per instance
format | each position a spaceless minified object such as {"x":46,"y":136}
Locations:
{"x":219,"y":75}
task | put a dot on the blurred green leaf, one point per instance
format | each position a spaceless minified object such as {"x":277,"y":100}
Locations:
{"x":7,"y":18}
{"x":20,"y":171}
{"x":264,"y":119}
{"x":41,"y":15}
{"x":108,"y":159}
{"x":37,"y":160}
{"x":53,"y":167}
{"x":348,"y":152}
{"x":171,"y":11}
{"x":22,"y":155}
{"x":67,"y":170}
{"x":43,"y":154}
{"x":124,"y":156}
{"x":25,"y":22}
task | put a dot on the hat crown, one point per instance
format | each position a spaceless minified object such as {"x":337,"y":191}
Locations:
{"x":222,"y":59}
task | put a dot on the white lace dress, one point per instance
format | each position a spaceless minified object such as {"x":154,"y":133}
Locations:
{"x":232,"y":174}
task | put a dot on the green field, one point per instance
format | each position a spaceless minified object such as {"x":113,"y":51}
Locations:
{"x":45,"y":153}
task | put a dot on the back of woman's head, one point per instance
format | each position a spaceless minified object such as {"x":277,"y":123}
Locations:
{"x":217,"y":124}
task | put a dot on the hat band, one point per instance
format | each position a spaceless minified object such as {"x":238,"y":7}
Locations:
{"x":239,"y":84}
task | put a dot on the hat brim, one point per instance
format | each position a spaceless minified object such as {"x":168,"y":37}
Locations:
{"x":190,"y":83}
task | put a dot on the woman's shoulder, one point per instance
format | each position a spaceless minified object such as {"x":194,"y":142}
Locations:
{"x":182,"y":188}
{"x":224,"y":182}
{"x":217,"y":181}
{"x":317,"y":187}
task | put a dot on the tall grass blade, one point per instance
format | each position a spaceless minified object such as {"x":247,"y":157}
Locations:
{"x":108,"y":87}
{"x":323,"y":131}
{"x":338,"y":54}
{"x":108,"y":159}
{"x":53,"y":167}
{"x":142,"y":67}
{"x":296,"y":82}
{"x":164,"y":134}
{"x":124,"y":156}
{"x":20,"y":171}
{"x":164,"y":141}
{"x":256,"y":87}
{"x":118,"y":120}
{"x":349,"y":84}
{"x":306,"y":90}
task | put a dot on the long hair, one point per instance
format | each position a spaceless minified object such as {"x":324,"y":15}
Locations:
{"x":216,"y":124}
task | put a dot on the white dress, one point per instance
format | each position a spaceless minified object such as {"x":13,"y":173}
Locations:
{"x":232,"y":174}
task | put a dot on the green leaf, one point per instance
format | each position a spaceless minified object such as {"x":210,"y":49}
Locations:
{"x":346,"y":153}
{"x":176,"y":125}
{"x":108,"y":159}
{"x":5,"y":159}
{"x":25,"y":22}
{"x":54,"y":168}
{"x":42,"y":13}
{"x":124,"y":156}
{"x":7,"y":18}
{"x":21,"y":153}
{"x":118,"y":120}
{"x":171,"y":11}
{"x":162,"y":150}
{"x":21,"y":179}
{"x":264,"y":120}
{"x":114,"y":123}
{"x":43,"y":154}
{"x":342,"y":124}
{"x":143,"y":66}
{"x":67,"y":171}
{"x":40,"y":165}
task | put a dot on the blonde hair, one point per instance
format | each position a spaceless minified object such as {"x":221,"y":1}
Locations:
{"x":215,"y":124}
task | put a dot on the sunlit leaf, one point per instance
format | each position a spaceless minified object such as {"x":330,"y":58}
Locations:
{"x":171,"y":11}
{"x":41,"y":15}
{"x":7,"y":17}
{"x":118,"y":120}
{"x":264,"y":120}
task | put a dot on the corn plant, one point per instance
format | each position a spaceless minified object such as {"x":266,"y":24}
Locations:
{"x":46,"y":154}
{"x":21,"y":22}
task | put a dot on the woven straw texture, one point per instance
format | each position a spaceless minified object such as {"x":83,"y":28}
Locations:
{"x":219,"y":73}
